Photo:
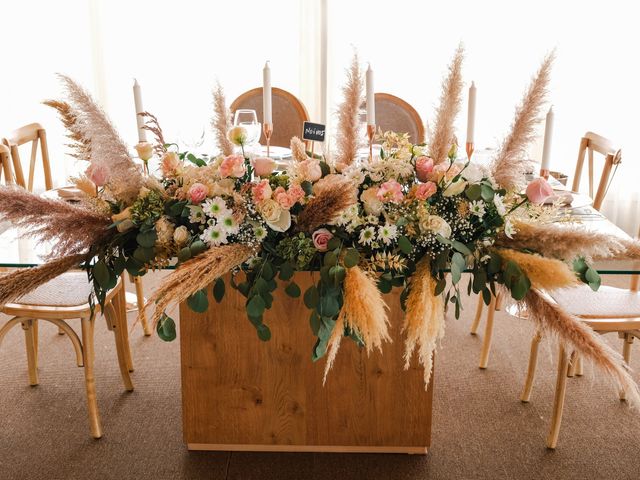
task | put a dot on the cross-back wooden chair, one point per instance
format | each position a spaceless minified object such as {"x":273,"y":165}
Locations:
{"x":289,"y":113}
{"x":396,"y":115}
{"x":5,"y":165}
{"x":589,"y":143}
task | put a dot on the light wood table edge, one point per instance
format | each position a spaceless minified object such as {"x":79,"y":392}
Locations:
{"x":307,"y":448}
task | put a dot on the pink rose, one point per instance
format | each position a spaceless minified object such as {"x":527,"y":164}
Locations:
{"x":390,"y":191}
{"x":424,"y":166}
{"x":263,"y":166}
{"x":425,"y":190}
{"x":539,"y":190}
{"x":262,"y":191}
{"x":310,"y":170}
{"x":282,"y":197}
{"x":170,"y":161}
{"x":197,"y":193}
{"x":98,"y":174}
{"x":232,"y":166}
{"x":321,"y":239}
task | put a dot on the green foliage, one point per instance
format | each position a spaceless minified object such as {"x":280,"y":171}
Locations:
{"x":297,"y":250}
{"x":586,"y":273}
{"x":166,"y":328}
{"x":218,"y":290}
{"x":198,"y":302}
{"x":147,"y":209}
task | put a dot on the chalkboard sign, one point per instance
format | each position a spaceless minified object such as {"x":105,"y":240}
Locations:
{"x":313,"y":131}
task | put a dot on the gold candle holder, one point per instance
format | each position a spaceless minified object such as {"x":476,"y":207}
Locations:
{"x":469,"y":150}
{"x":267,"y":128}
{"x":544,"y":173}
{"x":371,"y":132}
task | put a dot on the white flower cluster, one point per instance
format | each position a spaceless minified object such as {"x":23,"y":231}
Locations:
{"x":220,"y":220}
{"x":386,"y":234}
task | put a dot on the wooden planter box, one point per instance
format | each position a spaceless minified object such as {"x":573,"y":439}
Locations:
{"x":239,"y":393}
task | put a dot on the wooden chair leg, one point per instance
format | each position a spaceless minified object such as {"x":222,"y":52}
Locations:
{"x":60,"y":331}
{"x":111,"y":313}
{"x":488,"y":332}
{"x":579,"y":367}
{"x":626,"y":354}
{"x":478,"y":317}
{"x":558,"y":400}
{"x":137,"y":281}
{"x":531,"y":370}
{"x":573,"y":359}
{"x":119,"y":303}
{"x":90,"y":382}
{"x":32,"y":354}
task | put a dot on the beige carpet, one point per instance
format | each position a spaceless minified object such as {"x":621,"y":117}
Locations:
{"x":481,"y":429}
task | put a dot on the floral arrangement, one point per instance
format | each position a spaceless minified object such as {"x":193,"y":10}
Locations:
{"x":413,"y":217}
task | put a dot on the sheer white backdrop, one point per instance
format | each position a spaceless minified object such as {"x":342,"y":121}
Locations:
{"x":178,"y":49}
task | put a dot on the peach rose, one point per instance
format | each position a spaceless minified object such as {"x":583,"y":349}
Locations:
{"x":232,"y":166}
{"x":539,"y":190}
{"x":263,"y":166}
{"x":310,"y":170}
{"x":145,"y":150}
{"x":390,"y":191}
{"x":237,"y":135}
{"x":425,"y":190}
{"x":197,"y":193}
{"x":98,"y":174}
{"x":262,"y":191}
{"x":321,"y":239}
{"x":424,"y":167}
{"x":369,"y":198}
{"x":169,"y":163}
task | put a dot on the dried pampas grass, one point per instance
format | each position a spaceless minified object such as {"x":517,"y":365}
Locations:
{"x":363,"y":311}
{"x":544,"y":273}
{"x":195,"y":275}
{"x":348,"y":139}
{"x":20,"y":282}
{"x":443,"y":133}
{"x":81,"y":146}
{"x":152,"y":125}
{"x":510,"y":164}
{"x":331,"y":198}
{"x":424,"y":319}
{"x":298,"y":150}
{"x":580,"y":337}
{"x":221,"y":121}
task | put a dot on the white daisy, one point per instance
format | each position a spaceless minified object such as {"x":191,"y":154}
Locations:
{"x":215,"y":207}
{"x":229,"y":224}
{"x":477,"y":208}
{"x":372,"y":219}
{"x":387,"y":233}
{"x":499,"y":203}
{"x":259,"y":232}
{"x":196,"y":214}
{"x":367,"y":236}
{"x":253,"y":262}
{"x":214,"y":235}
{"x":509,"y":229}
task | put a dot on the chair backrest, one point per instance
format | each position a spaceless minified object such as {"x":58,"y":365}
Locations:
{"x":592,"y":142}
{"x":289,"y":113}
{"x":393,"y":113}
{"x":5,"y":165}
{"x":34,"y":134}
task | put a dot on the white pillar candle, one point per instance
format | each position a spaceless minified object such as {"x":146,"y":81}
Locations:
{"x":371,"y":98}
{"x":548,"y":136}
{"x":266,"y":95}
{"x":137,"y":99}
{"x":471,"y":115}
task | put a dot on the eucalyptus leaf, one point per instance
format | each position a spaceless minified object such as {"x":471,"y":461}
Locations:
{"x":256,"y":306}
{"x":147,"y":239}
{"x":311,"y":297}
{"x":351,"y":258}
{"x":286,"y":271}
{"x":405,"y":245}
{"x":218,"y":290}
{"x":101,"y":274}
{"x":198,"y":302}
{"x":473,"y":192}
{"x":264,"y":333}
{"x":166,"y":328}
{"x":328,"y":306}
{"x":293,"y":290}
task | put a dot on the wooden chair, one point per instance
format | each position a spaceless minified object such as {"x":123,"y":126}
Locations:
{"x":289,"y":113}
{"x":394,"y":114}
{"x":36,"y":134}
{"x":5,"y":165}
{"x":63,"y":299}
{"x":589,"y":143}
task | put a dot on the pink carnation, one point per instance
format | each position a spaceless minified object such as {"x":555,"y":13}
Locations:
{"x":232,"y":166}
{"x":197,"y":193}
{"x":539,"y":190}
{"x":424,"y":166}
{"x":296,"y":193}
{"x":425,"y":190}
{"x":282,"y":197}
{"x":321,"y":239}
{"x":261,"y":191}
{"x":390,"y":191}
{"x":97,"y":174}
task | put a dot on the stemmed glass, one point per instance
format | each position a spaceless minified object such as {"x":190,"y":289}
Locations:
{"x":248,"y":119}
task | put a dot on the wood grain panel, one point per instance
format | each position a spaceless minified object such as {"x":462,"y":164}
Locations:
{"x":241,"y":392}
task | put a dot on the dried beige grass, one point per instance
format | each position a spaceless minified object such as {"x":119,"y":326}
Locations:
{"x":348,"y":139}
{"x":196,"y":274}
{"x":443,"y":133}
{"x":510,"y":164}
{"x":424,"y":319}
{"x":152,"y":125}
{"x":81,"y":146}
{"x":364,"y":311}
{"x":221,"y":121}
{"x":20,"y":282}
{"x":331,"y":198}
{"x":578,"y":336}
{"x":298,"y":150}
{"x":544,"y":273}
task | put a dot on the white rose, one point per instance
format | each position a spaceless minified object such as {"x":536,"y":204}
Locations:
{"x":270,"y":210}
{"x":181,"y":235}
{"x":473,"y":173}
{"x":372,"y":205}
{"x":435,"y":224}
{"x":164,"y":230}
{"x":456,"y":188}
{"x":499,"y":203}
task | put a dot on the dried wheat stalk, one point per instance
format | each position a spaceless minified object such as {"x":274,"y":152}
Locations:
{"x":329,"y":201}
{"x":81,"y":146}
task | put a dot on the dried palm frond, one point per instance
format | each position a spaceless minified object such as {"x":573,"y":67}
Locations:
{"x":424,"y":318}
{"x":443,"y":133}
{"x":363,"y":311}
{"x":151,"y":124}
{"x":195,"y":275}
{"x":581,"y":338}
{"x":20,"y":282}
{"x":69,"y":227}
{"x":107,"y":148}
{"x":81,"y":146}
{"x":221,"y":121}
{"x":544,"y":273}
{"x":331,"y":198}
{"x":348,"y":139}
{"x":510,"y":164}
{"x":298,"y":150}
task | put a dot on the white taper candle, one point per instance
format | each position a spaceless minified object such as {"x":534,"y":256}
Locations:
{"x":471,"y":115}
{"x":548,"y":136}
{"x":266,"y":95}
{"x":137,"y":99}
{"x":371,"y":98}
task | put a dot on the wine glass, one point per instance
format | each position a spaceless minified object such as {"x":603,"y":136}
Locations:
{"x":249,"y":121}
